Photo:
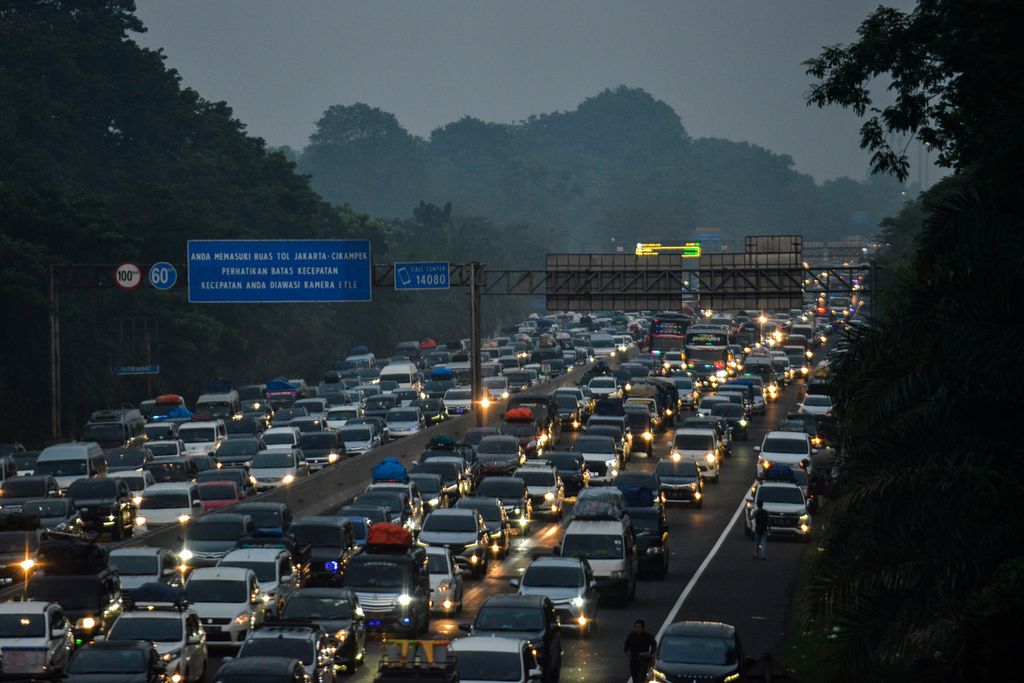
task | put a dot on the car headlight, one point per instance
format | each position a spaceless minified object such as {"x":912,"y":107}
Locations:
{"x":137,"y":500}
{"x":577,"y":601}
{"x":804,"y":518}
{"x":731,"y":677}
{"x":404,"y":600}
{"x":504,"y":394}
{"x":693,"y":486}
{"x":628,"y":387}
{"x":668,"y":411}
{"x":549,"y":496}
{"x":183,"y":519}
{"x":86,"y":623}
{"x":648,"y":436}
{"x":676,"y":456}
{"x":332,"y":457}
{"x":288,"y":478}
{"x":710,"y":457}
{"x":341,"y":635}
{"x":140,"y":521}
{"x":523,"y":521}
{"x":743,"y":422}
{"x":173,"y":654}
{"x":434,"y":502}
{"x":517,"y":511}
{"x":242,"y":619}
{"x":185,"y":554}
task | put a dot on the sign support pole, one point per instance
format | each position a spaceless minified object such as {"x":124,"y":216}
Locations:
{"x":475,"y":271}
{"x":55,"y":431}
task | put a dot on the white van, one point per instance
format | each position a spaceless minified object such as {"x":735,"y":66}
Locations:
{"x":68,"y":462}
{"x":603,"y":345}
{"x":405,"y":374}
{"x":203,"y":438}
{"x":362,"y":360}
{"x":702,"y":447}
{"x":226,"y":406}
{"x":609,"y":547}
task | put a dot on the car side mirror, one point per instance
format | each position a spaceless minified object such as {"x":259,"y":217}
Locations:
{"x":757,"y":449}
{"x":193,"y":640}
{"x":98,"y":638}
{"x":57,"y":633}
{"x":535,"y":675}
{"x":466,"y":627}
{"x":514,"y":583}
{"x":814,"y":451}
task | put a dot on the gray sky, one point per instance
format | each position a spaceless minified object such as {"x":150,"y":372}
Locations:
{"x":730,"y":68}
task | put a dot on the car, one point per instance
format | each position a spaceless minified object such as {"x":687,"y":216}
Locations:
{"x":530,"y":617}
{"x":321,"y":449}
{"x":571,"y":470}
{"x":701,"y":445}
{"x":497,"y":388}
{"x":570,"y":585}
{"x":680,"y":480}
{"x":106,"y":506}
{"x":699,"y":650}
{"x":309,"y":424}
{"x":15,"y":491}
{"x":432,"y":488}
{"x":393,"y":587}
{"x":433,"y":409}
{"x":463,"y":532}
{"x":59,"y":514}
{"x":283,"y":416}
{"x":210,"y":538}
{"x":90,"y":596}
{"x":496,"y":519}
{"x":786,"y":504}
{"x":36,"y":640}
{"x":336,"y":611}
{"x":164,"y":429}
{"x":122,"y":661}
{"x":172,"y":470}
{"x":512,"y":493}
{"x":544,"y":486}
{"x":446,"y":584}
{"x":239,"y":452}
{"x":404,"y":422}
{"x":374,"y":514}
{"x":816,"y":404}
{"x":600,"y":457}
{"x":493,"y":659}
{"x":275,"y":569}
{"x":604,"y":387}
{"x":499,"y":455}
{"x":168,"y":503}
{"x":331,"y":544}
{"x":137,"y":482}
{"x":282,"y":438}
{"x":140,"y":565}
{"x":358,"y":438}
{"x":338,"y":416}
{"x":458,"y":401}
{"x":227,"y":600}
{"x":278,"y":467}
{"x":171,"y":626}
{"x":639,"y":488}
{"x":650,"y":527}
{"x":204,"y":463}
{"x":268,"y":518}
{"x":784,"y":448}
{"x":263,"y":669}
{"x":202,"y":437}
{"x":122,"y":459}
{"x":734,"y":415}
{"x":475,"y":435}
{"x":307,"y":643}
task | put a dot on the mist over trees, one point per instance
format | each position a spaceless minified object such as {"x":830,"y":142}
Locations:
{"x":621,"y":165}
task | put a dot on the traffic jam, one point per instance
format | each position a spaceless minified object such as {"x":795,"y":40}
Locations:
{"x":509,"y":542}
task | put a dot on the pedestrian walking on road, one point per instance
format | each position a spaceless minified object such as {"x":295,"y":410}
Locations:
{"x":760,"y":531}
{"x":640,"y":646}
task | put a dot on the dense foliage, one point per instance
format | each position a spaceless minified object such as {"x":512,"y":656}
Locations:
{"x":920,"y":571}
{"x":621,"y":165}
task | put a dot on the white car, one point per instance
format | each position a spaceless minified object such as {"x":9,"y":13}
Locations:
{"x":338,"y":416}
{"x":702,"y":447}
{"x":227,"y":600}
{"x":281,"y":438}
{"x":604,"y":387}
{"x":175,"y":632}
{"x":274,"y":570}
{"x":35,"y":638}
{"x":458,"y":401}
{"x":544,"y":488}
{"x":496,"y":388}
{"x":599,"y":457}
{"x":446,"y":583}
{"x":486,"y":659}
{"x":315,"y":407}
{"x":143,"y":564}
{"x":404,"y":421}
{"x":816,"y":404}
{"x":358,"y":438}
{"x":784,"y":448}
{"x":168,"y":503}
{"x":275,"y":468}
{"x":168,"y":448}
{"x":786,"y":506}
{"x":202,"y":438}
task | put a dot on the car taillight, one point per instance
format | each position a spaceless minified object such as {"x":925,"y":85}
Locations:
{"x":719,"y":365}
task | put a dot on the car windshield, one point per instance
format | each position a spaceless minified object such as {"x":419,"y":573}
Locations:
{"x":671,"y":468}
{"x":694,"y":442}
{"x":159,"y":630}
{"x":72,"y":592}
{"x":547,"y":576}
{"x":217,"y":492}
{"x":45,"y":508}
{"x":494,"y":618}
{"x":495,"y":382}
{"x":520,"y":429}
{"x":265,"y":571}
{"x":818,"y":400}
{"x":164,"y":501}
{"x":271,"y":459}
{"x":780,"y":445}
{"x":356,"y":435}
{"x":403,"y":416}
{"x":490,"y":511}
{"x":497,"y":488}
{"x":319,"y":440}
{"x":262,"y":517}
{"x":376,"y":574}
{"x":429,"y":487}
{"x":566,"y":402}
{"x":644,"y":523}
{"x":594,"y":444}
{"x":635,"y":480}
{"x":214,"y":530}
{"x":593,"y":546}
{"x":564,"y":461}
{"x":23,"y":488}
{"x":196,"y":435}
{"x":93,"y":660}
{"x":789,"y":495}
{"x":537,"y":477}
{"x":61,"y":468}
{"x":214,"y":590}
{"x":22,"y":626}
{"x":167,"y":471}
{"x":459,"y":394}
{"x":238,"y":447}
{"x":163,"y":449}
{"x":92,"y":488}
{"x":489,"y":666}
{"x":135,"y":565}
{"x":495,"y":446}
{"x":279,"y":438}
{"x":126,"y":458}
{"x":697,"y":650}
{"x":104,"y":433}
{"x":302,"y":649}
{"x":318,"y":535}
{"x":462,"y":523}
{"x":447,"y":470}
{"x":727,"y":410}
{"x":602,"y":383}
{"x":474,"y":436}
{"x":301,"y":606}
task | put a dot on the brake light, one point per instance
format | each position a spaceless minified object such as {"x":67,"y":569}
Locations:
{"x":719,"y":365}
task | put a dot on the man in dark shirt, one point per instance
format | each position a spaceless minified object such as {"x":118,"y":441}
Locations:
{"x":640,"y":646}
{"x":761,"y":520}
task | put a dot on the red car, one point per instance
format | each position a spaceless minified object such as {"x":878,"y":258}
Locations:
{"x":218,"y":494}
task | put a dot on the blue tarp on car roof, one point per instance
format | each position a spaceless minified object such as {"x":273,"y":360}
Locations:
{"x":390,"y":469}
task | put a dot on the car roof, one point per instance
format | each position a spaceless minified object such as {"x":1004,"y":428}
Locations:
{"x":168,"y":486}
{"x":487,"y":644}
{"x":705,"y":629}
{"x":137,"y":551}
{"x":573,"y":562}
{"x":258,"y":665}
{"x":204,"y":424}
{"x":219,"y":573}
{"x":514,"y":600}
{"x":797,"y":436}
{"x":255,"y":554}
{"x":596,"y":526}
{"x":454,"y":512}
{"x":319,"y":520}
{"x":324,"y":592}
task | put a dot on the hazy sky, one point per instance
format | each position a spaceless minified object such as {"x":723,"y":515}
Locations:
{"x":730,"y":68}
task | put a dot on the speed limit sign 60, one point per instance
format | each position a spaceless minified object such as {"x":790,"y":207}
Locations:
{"x":128,"y":276}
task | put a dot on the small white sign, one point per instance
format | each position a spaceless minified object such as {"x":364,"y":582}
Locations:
{"x":128,"y":276}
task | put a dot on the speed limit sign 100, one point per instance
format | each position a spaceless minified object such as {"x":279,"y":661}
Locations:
{"x":128,"y":276}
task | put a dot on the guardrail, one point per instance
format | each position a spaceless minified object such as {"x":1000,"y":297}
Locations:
{"x":336,"y":484}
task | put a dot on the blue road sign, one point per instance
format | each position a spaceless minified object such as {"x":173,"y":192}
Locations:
{"x":278,"y":271}
{"x":162,"y":275}
{"x":136,"y":370}
{"x":424,"y":275}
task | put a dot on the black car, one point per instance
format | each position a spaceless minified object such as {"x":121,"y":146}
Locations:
{"x":699,"y":650}
{"x":337,"y":612}
{"x":126,"y":459}
{"x":321,"y":449}
{"x":122,"y":661}
{"x":268,"y":519}
{"x":809,"y":424}
{"x":681,"y":481}
{"x":92,"y":600}
{"x":245,"y":426}
{"x":238,"y":475}
{"x":239,"y":451}
{"x":512,"y":493}
{"x":105,"y":505}
{"x":378,"y":406}
{"x":571,"y":469}
{"x":59,"y":514}
{"x":569,"y":412}
{"x":436,"y":388}
{"x":284,"y":416}
{"x":172,"y":469}
{"x":528,"y":617}
{"x":733,"y":414}
{"x":499,"y":528}
{"x":19,"y":541}
{"x":433,"y":490}
{"x":650,"y":525}
{"x":375,"y":513}
{"x":26,"y":460}
{"x":262,"y":669}
{"x":306,"y":642}
{"x":474,"y":435}
{"x":330,"y":543}
{"x":499,"y":455}
{"x":14,"y":492}
{"x":639,"y":421}
{"x":432,"y":408}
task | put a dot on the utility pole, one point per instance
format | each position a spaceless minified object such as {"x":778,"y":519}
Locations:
{"x":475,"y":275}
{"x":55,"y":430}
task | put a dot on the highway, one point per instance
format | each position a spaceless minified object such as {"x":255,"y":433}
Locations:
{"x":710,"y":560}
